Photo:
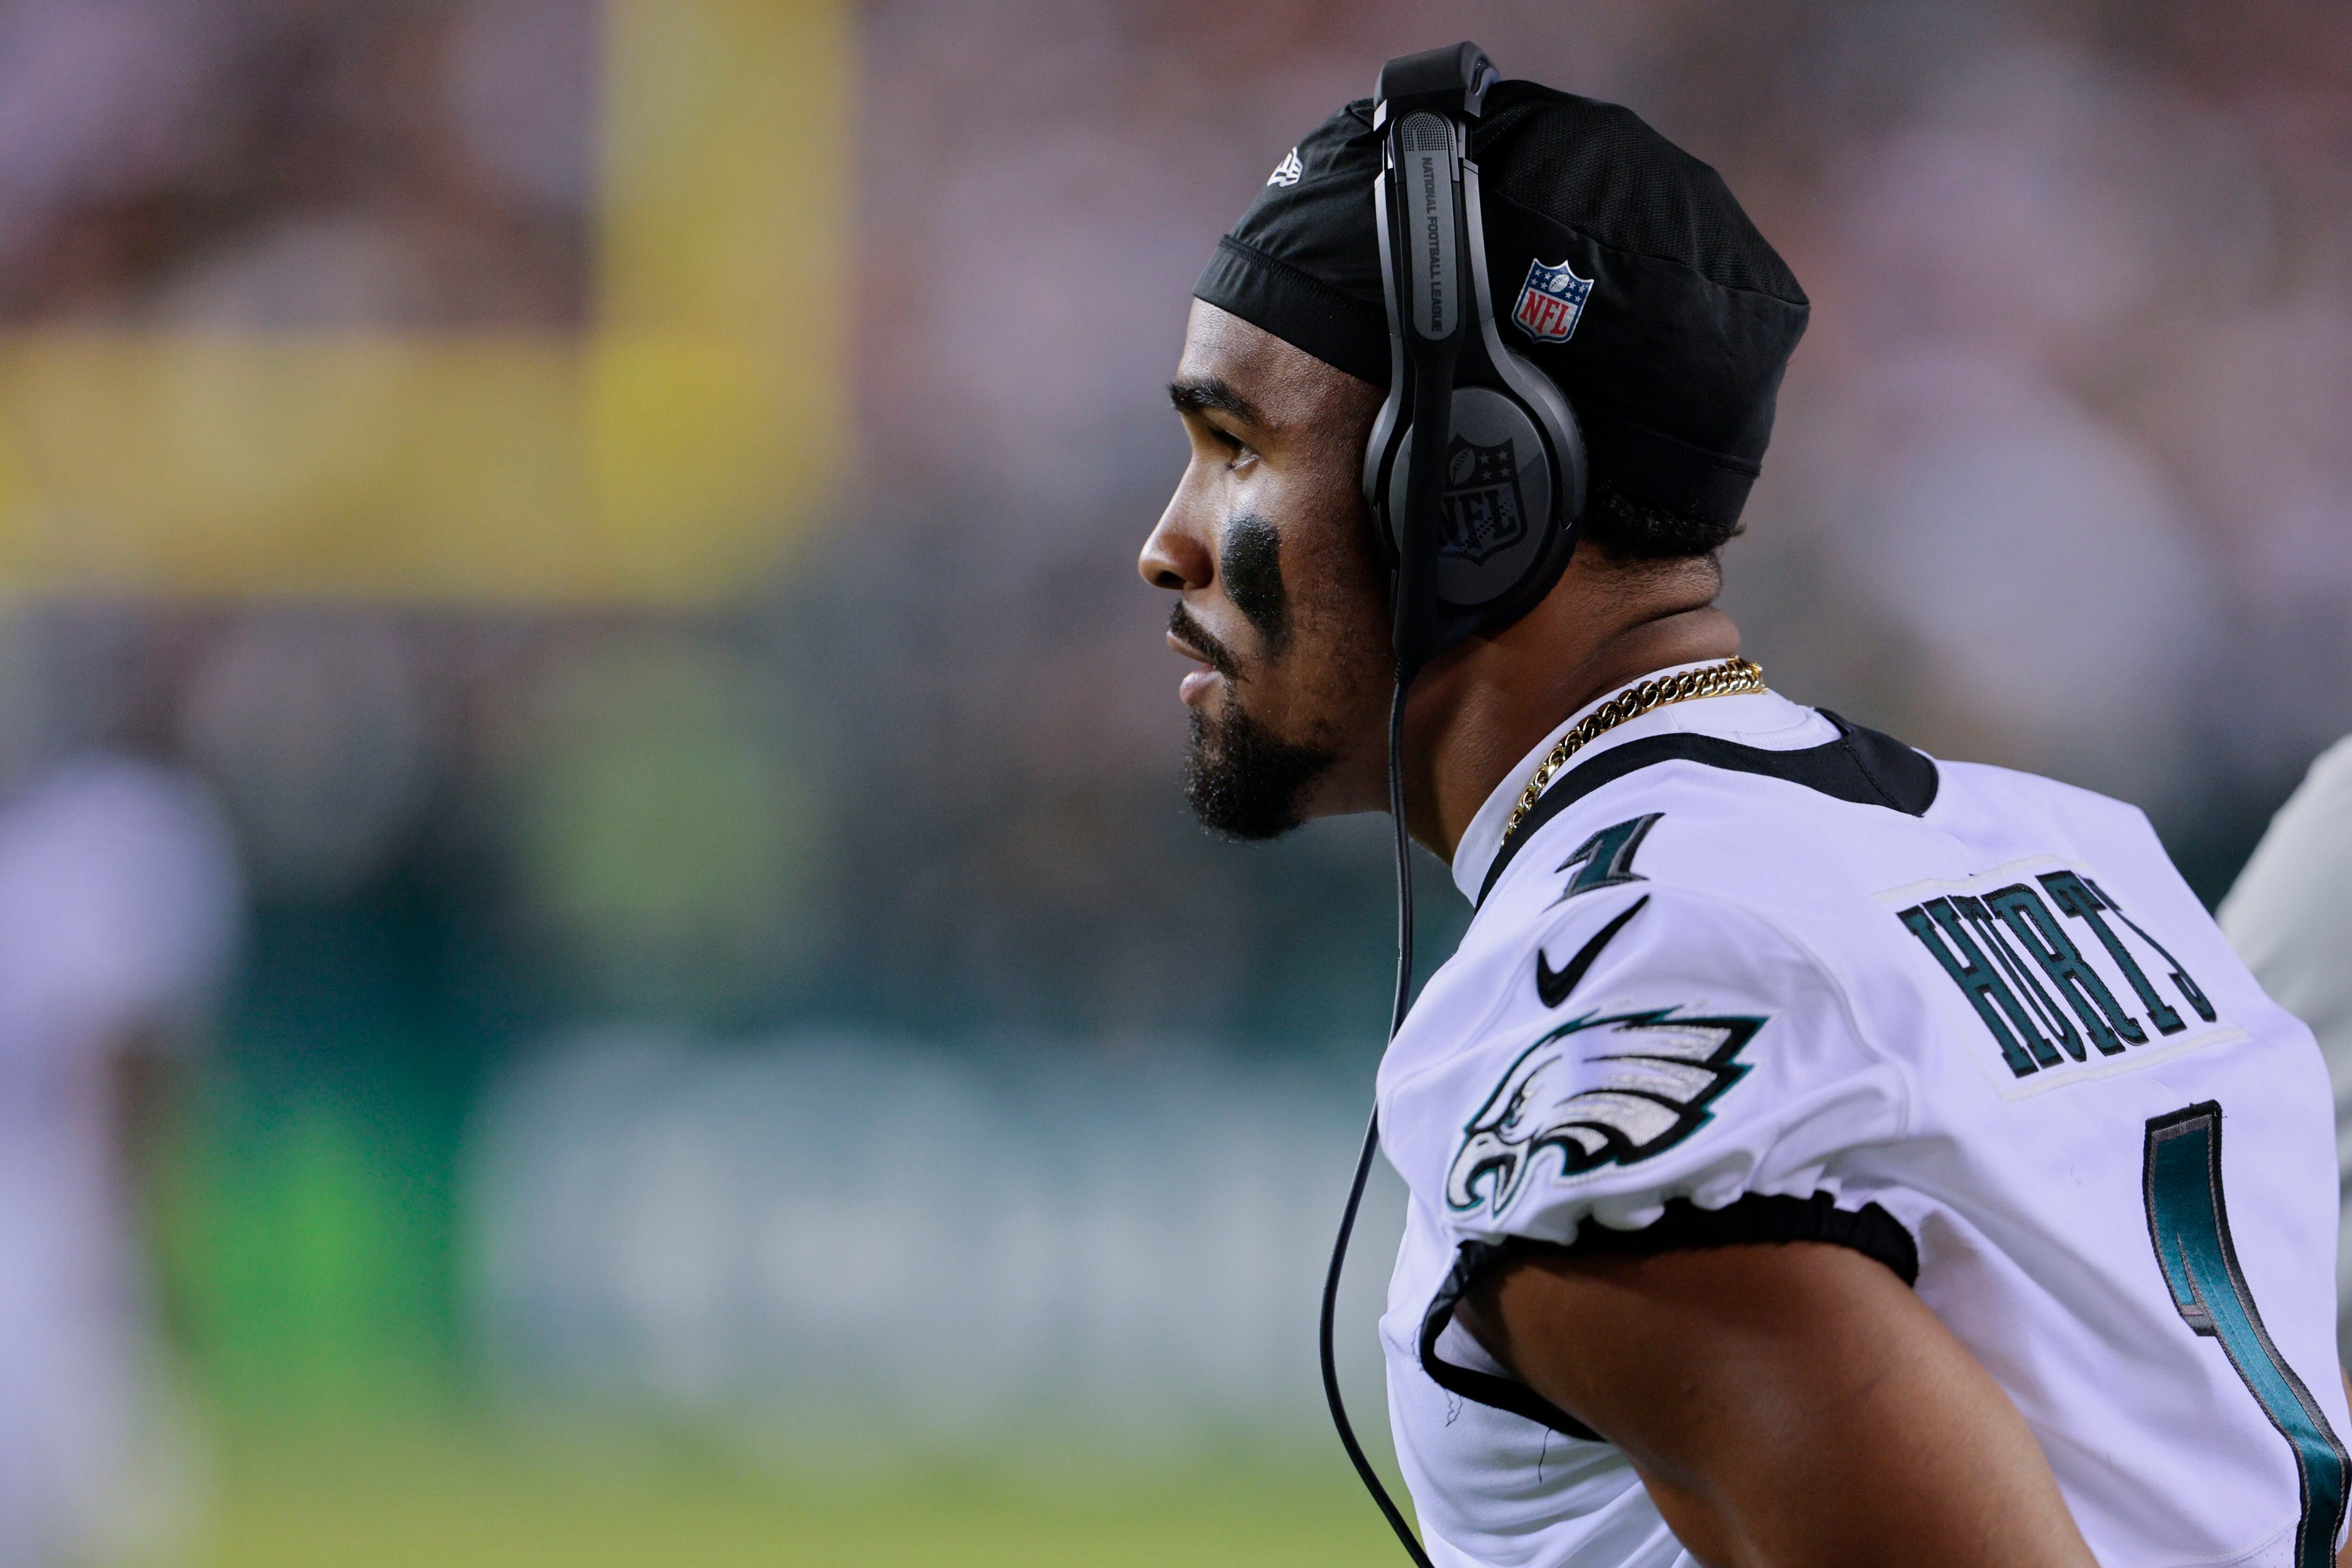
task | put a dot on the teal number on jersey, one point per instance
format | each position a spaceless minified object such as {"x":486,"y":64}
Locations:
{"x":1606,"y":859}
{"x":2188,"y":1221}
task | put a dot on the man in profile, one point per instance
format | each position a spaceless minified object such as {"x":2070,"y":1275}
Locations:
{"x":1815,"y":1150}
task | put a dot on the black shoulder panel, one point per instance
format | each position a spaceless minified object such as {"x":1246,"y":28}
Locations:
{"x":1905,"y":780}
{"x":1684,"y":1227}
{"x":1861,"y":765}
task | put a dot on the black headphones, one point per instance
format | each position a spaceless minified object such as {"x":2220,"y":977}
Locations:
{"x":1475,"y":468}
{"x":1474,"y":473}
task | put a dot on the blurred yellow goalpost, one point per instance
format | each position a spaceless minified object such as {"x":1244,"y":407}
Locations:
{"x":668,"y":452}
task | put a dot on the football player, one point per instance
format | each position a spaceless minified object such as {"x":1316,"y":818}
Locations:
{"x":1818,"y":1153}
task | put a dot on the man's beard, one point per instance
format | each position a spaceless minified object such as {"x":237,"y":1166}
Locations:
{"x":1244,"y":782}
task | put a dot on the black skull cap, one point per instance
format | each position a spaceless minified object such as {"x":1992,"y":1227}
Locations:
{"x":1677,"y":356}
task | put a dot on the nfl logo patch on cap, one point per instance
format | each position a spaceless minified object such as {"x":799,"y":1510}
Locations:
{"x":1550,"y":303}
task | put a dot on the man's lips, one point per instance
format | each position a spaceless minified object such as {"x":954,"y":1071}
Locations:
{"x":1190,"y":638}
{"x":1197,"y":680}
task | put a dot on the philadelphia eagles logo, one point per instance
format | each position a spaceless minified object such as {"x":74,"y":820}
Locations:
{"x":1602,"y":1091}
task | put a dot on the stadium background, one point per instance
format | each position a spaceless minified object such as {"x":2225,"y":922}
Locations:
{"x":738,"y":1053}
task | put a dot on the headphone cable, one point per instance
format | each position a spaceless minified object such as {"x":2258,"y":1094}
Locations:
{"x":1372,"y":1140}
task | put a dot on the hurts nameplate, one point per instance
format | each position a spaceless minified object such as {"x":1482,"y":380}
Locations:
{"x":2064,"y":985}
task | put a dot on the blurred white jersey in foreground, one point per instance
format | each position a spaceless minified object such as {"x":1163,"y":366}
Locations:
{"x":2289,"y":918}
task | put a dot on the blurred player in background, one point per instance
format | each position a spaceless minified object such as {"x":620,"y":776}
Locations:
{"x":120,"y":907}
{"x":2289,"y":918}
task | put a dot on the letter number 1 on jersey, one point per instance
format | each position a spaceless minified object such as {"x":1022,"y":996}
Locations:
{"x":1606,"y":859}
{"x":2188,"y":1223}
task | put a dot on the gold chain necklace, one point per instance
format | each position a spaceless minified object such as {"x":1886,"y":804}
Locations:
{"x":1732,"y":678}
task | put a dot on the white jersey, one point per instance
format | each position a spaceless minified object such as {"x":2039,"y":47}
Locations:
{"x":2289,"y":918}
{"x":1749,"y":973}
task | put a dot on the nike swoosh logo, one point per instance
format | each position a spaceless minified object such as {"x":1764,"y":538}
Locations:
{"x":1553,"y":986}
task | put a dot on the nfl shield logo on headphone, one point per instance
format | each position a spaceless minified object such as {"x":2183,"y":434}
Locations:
{"x":1551,"y":301}
{"x":1483,"y":513}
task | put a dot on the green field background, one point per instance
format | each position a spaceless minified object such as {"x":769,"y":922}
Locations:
{"x":389,"y":1494}
{"x":311,"y":1230}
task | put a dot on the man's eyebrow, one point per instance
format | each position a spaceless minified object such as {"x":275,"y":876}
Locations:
{"x":1205,"y":393}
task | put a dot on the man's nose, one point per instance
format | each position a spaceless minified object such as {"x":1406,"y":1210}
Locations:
{"x":1176,"y":557}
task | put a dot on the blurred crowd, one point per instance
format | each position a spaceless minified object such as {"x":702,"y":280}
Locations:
{"x":2060,"y":481}
{"x":2057,"y":479}
{"x":181,"y":163}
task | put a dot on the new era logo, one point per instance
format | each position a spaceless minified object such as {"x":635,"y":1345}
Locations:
{"x":1286,"y":173}
{"x":1551,"y":301}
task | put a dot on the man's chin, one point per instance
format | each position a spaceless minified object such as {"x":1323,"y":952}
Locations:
{"x":1243,"y":780}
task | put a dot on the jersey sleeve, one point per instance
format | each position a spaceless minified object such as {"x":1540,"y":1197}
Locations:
{"x":1650,"y":1060}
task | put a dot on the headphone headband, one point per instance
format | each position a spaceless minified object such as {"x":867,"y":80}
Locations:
{"x":1462,"y":73}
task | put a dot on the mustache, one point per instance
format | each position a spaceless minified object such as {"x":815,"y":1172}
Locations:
{"x":1181,"y":625}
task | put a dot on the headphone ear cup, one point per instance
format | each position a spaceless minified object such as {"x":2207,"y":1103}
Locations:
{"x":1514,"y":489}
{"x":1497,"y":500}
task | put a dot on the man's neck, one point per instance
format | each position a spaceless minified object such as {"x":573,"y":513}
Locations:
{"x":1477,"y":716}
